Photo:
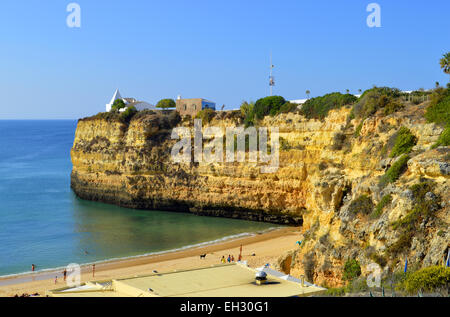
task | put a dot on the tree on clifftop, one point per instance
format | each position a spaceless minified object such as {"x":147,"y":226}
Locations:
{"x":445,"y":63}
{"x":268,"y":105}
{"x":118,"y":104}
{"x":166,"y":103}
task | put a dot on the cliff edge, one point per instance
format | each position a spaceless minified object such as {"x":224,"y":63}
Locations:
{"x":331,"y":180}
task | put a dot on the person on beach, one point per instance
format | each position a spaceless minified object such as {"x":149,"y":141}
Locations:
{"x":223,"y":259}
{"x":65,"y":274}
{"x":240,"y":254}
{"x":32,"y":267}
{"x":93,"y":270}
{"x":232,"y":258}
{"x":229,"y":258}
{"x":56,"y":279}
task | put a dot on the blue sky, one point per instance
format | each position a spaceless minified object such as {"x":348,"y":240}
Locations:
{"x":217,"y":50}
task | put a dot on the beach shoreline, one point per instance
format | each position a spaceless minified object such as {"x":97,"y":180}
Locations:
{"x":267,"y":247}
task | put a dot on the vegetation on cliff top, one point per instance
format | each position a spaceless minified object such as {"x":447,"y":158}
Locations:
{"x":376,"y":98}
{"x":439,"y":109}
{"x":126,"y":116}
{"x":439,"y":112}
{"x":444,"y":62}
{"x":247,"y":112}
{"x":206,"y":115}
{"x":268,"y":106}
{"x":273,"y":105}
{"x":166,"y":103}
{"x":318,"y":107}
{"x":118,"y":104}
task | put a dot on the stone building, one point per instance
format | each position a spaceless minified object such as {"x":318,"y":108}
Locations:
{"x":193,"y":105}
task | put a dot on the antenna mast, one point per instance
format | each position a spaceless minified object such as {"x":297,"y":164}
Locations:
{"x":271,"y":78}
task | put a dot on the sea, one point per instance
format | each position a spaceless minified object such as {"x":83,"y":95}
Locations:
{"x":42,"y":222}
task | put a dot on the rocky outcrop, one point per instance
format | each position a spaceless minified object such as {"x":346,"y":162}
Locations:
{"x":323,"y":169}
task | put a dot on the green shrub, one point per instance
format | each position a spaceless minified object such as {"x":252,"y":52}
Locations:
{"x":246,"y":108}
{"x":247,"y":112}
{"x":288,"y":107}
{"x":404,"y":142}
{"x":352,"y":270}
{"x":118,"y":104}
{"x":268,"y":106}
{"x":444,"y":138}
{"x":407,"y":222}
{"x":377,"y":98}
{"x":428,"y":279}
{"x":387,"y":148}
{"x":206,"y":115}
{"x":340,"y":291}
{"x":388,"y":91}
{"x":394,"y":172}
{"x":391,"y":107}
{"x":166,"y":103}
{"x":363,"y":204}
{"x":385,"y":200}
{"x":439,"y":109}
{"x":107,"y":116}
{"x":128,"y":114}
{"x":419,"y":190}
{"x":319,"y":107}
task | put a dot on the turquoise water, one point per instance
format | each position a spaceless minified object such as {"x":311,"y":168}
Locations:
{"x":43,"y":223}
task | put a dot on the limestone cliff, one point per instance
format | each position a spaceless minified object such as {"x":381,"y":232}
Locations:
{"x":324,"y":167}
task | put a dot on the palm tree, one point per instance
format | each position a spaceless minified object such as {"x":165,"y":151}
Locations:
{"x":437,"y":84}
{"x":359,"y":90}
{"x":347,"y":91}
{"x":445,"y":63}
{"x":307,"y":93}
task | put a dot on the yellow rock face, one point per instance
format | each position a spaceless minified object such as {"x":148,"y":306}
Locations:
{"x":323,"y":167}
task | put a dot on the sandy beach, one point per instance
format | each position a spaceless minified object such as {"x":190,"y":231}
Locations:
{"x":266,"y":247}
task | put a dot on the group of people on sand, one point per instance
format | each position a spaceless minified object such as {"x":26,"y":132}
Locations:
{"x":229,"y":259}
